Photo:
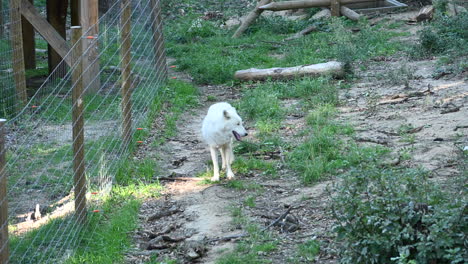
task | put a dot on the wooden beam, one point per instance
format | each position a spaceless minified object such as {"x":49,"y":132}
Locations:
{"x":57,"y":18}
{"x":29,"y":43}
{"x":17,"y":54}
{"x":46,"y":30}
{"x":278,"y":6}
{"x":335,"y":8}
{"x":250,"y":18}
{"x":75,"y":12}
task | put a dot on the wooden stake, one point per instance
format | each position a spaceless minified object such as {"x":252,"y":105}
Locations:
{"x":4,"y":249}
{"x":158,"y":41}
{"x":335,"y":7}
{"x":18,"y":55}
{"x":89,"y":22}
{"x":78,"y":126}
{"x":126,"y":71}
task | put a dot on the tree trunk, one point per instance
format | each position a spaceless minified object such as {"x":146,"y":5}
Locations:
{"x":333,"y":67}
{"x":75,"y":6}
{"x":57,"y":17}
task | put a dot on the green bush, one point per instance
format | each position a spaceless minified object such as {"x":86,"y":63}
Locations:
{"x":398,"y":216}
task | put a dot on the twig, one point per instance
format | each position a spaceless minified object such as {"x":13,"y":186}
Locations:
{"x":460,"y":126}
{"x":159,"y":215}
{"x":179,"y":179}
{"x":227,"y":238}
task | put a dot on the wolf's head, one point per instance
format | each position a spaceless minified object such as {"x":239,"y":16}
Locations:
{"x":233,"y":123}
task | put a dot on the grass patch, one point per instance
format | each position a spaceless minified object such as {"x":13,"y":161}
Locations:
{"x":254,"y":248}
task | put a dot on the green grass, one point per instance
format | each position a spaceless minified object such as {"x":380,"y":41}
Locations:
{"x":252,"y":249}
{"x":215,"y":56}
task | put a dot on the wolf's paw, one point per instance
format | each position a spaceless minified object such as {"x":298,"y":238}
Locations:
{"x":230,"y":175}
{"x":215,"y":178}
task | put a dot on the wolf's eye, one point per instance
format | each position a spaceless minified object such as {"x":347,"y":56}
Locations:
{"x":238,"y":124}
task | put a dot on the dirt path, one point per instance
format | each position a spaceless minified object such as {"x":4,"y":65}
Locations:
{"x":420,"y":118}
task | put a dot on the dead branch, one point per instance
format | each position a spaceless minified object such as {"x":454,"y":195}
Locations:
{"x":372,"y":140}
{"x":302,"y":33}
{"x":173,"y":239}
{"x":333,"y":67}
{"x":450,"y":110}
{"x":460,"y":126}
{"x":281,"y":217}
{"x":250,"y":18}
{"x":400,"y":98}
{"x":179,"y":179}
{"x":162,"y":214}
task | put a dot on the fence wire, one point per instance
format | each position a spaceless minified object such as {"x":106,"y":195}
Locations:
{"x":39,"y":164}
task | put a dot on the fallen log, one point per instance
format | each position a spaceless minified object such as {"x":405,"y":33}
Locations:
{"x":333,"y":67}
{"x":250,"y":18}
{"x":302,"y":33}
{"x":349,"y":13}
{"x":278,"y":6}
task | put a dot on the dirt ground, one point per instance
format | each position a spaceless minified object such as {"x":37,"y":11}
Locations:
{"x":187,"y":222}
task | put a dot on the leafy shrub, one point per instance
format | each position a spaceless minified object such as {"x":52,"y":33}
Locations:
{"x":398,"y":216}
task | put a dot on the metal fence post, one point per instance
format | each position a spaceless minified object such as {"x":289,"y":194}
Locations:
{"x":78,"y":125}
{"x":4,"y":249}
{"x":125,"y":52}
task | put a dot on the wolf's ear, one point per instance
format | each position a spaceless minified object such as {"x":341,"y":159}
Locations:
{"x":226,"y":115}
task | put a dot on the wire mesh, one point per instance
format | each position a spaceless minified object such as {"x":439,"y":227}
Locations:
{"x":39,"y":164}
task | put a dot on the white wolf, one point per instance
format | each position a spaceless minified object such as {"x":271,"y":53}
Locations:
{"x":220,"y":125}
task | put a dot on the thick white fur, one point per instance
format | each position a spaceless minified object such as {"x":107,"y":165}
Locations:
{"x":217,"y":130}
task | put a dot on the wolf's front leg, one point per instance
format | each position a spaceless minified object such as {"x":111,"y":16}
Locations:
{"x":222,"y":150}
{"x":214,"y":158}
{"x":229,"y":158}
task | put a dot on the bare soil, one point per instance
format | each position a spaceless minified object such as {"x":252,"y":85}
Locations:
{"x":411,"y":113}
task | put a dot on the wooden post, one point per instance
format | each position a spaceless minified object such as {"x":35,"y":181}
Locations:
{"x":57,"y":17}
{"x":89,"y":22}
{"x":4,"y":249}
{"x":18,"y":55}
{"x":29,"y":43}
{"x":2,"y":31}
{"x":126,"y":71}
{"x":78,"y":126}
{"x":158,"y":41}
{"x":335,"y":7}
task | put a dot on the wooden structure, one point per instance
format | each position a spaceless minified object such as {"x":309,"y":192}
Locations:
{"x":78,"y":126}
{"x":336,"y":6}
{"x":27,"y":20}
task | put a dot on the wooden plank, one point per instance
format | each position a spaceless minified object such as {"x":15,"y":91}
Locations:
{"x":46,"y":30}
{"x":89,"y":16}
{"x":335,"y":7}
{"x":4,"y":249}
{"x":18,"y":54}
{"x":57,"y":18}
{"x":29,"y":42}
{"x":158,"y":41}
{"x":75,"y":12}
{"x":125,"y":65}
{"x":78,"y":126}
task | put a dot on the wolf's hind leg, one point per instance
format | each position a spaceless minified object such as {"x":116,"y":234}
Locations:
{"x":214,"y":158}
